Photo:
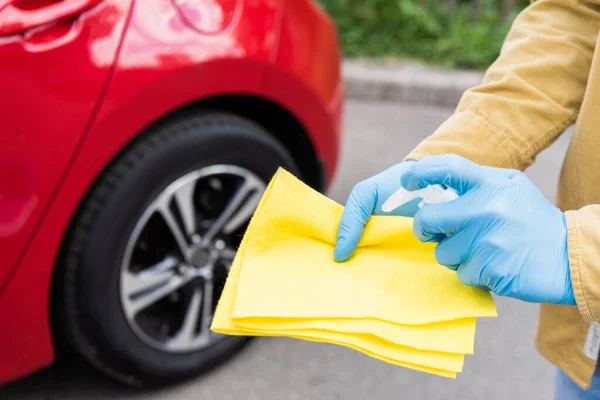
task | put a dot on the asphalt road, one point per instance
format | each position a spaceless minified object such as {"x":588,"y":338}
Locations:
{"x":505,"y":364}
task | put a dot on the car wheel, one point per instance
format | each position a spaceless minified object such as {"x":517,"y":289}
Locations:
{"x":150,"y":248}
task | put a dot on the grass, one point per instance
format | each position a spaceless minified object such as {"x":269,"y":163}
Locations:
{"x":426,"y":30}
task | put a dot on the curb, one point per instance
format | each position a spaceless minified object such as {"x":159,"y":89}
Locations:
{"x":406,"y":82}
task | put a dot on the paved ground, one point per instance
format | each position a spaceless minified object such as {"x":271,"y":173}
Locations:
{"x":505,"y":365}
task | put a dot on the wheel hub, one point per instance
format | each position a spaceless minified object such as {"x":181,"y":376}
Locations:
{"x":201,"y":257}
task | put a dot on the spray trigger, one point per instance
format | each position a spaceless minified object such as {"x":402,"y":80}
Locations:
{"x":429,"y":195}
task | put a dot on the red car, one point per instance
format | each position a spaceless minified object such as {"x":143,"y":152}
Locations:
{"x":136,"y":138}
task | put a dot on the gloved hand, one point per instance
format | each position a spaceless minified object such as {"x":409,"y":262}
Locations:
{"x":366,"y":198}
{"x":505,"y":236}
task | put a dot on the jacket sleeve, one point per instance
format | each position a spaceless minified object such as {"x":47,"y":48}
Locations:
{"x":531,"y":93}
{"x":584,"y":252}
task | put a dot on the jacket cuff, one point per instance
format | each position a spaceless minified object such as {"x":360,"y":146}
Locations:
{"x":469,"y":135}
{"x":584,"y":260}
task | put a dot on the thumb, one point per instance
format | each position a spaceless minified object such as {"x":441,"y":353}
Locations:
{"x":450,"y":170}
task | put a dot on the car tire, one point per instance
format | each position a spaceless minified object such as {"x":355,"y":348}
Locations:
{"x":95,"y":295}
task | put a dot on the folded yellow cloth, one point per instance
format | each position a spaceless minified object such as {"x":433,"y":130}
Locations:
{"x":391,"y":300}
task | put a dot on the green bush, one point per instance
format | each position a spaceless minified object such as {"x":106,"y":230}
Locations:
{"x":460,"y":35}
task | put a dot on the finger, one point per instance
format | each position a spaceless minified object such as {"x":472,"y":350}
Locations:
{"x":433,"y":222}
{"x":450,"y":170}
{"x":358,"y":210}
{"x":469,"y":274}
{"x":452,"y":251}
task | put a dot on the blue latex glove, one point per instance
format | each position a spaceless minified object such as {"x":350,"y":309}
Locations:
{"x":505,"y":236}
{"x":366,"y":198}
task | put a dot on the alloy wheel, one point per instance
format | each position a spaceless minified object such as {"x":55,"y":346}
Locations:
{"x":179,"y":253}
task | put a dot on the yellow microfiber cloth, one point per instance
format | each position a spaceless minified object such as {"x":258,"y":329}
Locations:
{"x":391,"y":300}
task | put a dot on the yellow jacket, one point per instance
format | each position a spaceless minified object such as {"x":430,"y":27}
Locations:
{"x":546,"y":78}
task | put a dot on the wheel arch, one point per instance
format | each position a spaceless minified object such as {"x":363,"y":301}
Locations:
{"x":278,"y":122}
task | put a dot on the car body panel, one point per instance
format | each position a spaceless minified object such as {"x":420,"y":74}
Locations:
{"x":208,"y":16}
{"x":54,"y":76}
{"x":163,"y":65}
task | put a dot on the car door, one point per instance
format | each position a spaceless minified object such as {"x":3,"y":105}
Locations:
{"x":55,"y":59}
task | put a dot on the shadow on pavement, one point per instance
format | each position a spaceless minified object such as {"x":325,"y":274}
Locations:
{"x":71,"y":378}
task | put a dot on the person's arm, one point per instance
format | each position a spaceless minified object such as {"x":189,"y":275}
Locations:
{"x":530,"y":95}
{"x":583,"y":236}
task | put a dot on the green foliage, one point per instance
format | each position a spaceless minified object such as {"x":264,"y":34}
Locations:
{"x":467,"y":35}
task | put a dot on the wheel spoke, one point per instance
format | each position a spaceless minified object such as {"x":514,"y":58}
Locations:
{"x":187,"y":333}
{"x":149,"y":278}
{"x":236,"y":212}
{"x":244,"y":213}
{"x":228,"y":254}
{"x":145,"y":300}
{"x":184,"y":196}
{"x":175,"y":229}
{"x":207,"y":302}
